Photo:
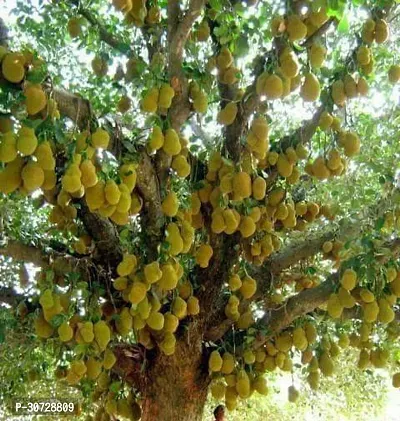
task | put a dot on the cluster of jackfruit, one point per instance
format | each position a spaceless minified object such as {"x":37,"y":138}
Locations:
{"x":348,"y":88}
{"x":14,"y":66}
{"x":231,"y":378}
{"x":176,"y":147}
{"x":227,"y":189}
{"x":257,"y":138}
{"x":198,"y":97}
{"x":238,"y":376}
{"x":99,"y":358}
{"x":114,"y":405}
{"x":374,"y":310}
{"x":136,"y":12}
{"x":270,"y":85}
{"x":375,"y":30}
{"x":300,"y":282}
{"x":332,"y":249}
{"x":180,"y":237}
{"x":318,"y":353}
{"x":145,"y":288}
{"x":227,"y":72}
{"x":29,"y":165}
{"x":54,"y":320}
{"x":297,"y":28}
{"x":333,"y":163}
{"x":158,"y":99}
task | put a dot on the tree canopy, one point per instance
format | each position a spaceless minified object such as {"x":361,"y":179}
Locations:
{"x":195,"y":195}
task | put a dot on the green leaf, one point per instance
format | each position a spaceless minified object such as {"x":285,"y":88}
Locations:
{"x":344,"y":25}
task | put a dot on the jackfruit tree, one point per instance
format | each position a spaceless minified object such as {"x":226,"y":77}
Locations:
{"x":196,"y":194}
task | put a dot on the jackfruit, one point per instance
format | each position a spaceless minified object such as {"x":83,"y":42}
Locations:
{"x":32,"y":176}
{"x":249,"y":287}
{"x":295,"y":28}
{"x":166,"y":95}
{"x":99,"y":66}
{"x":35,"y":99}
{"x":8,"y":147}
{"x":179,"y":308}
{"x":13,"y":67}
{"x":171,"y":145}
{"x":65,"y":332}
{"x":193,"y":306}
{"x":226,"y":116}
{"x":394,"y":74}
{"x":100,"y":138}
{"x":156,"y":140}
{"x":381,"y":31}
{"x":203,"y":255}
{"x":169,"y":278}
{"x":317,"y":55}
{"x":349,"y":279}
{"x":127,"y":265}
{"x":149,"y":103}
{"x":170,"y":204}
{"x":310,"y":90}
{"x":124,"y":104}
{"x":27,"y":141}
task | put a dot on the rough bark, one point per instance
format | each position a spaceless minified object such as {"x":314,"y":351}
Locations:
{"x":177,"y":385}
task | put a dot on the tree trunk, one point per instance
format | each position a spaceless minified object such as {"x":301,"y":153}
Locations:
{"x":176,"y":387}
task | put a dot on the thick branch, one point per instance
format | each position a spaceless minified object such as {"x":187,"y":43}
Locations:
{"x":309,"y":299}
{"x":129,"y":365}
{"x":323,"y":29}
{"x":152,"y":215}
{"x":73,"y":107}
{"x":25,"y":253}
{"x":298,"y":252}
{"x":105,"y":235}
{"x":177,"y":37}
{"x":181,"y":34}
{"x":296,"y":306}
{"x":106,"y":36}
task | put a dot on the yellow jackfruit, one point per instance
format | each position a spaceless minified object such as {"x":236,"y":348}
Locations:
{"x":170,"y":204}
{"x":8,"y":147}
{"x":203,"y":255}
{"x":310,"y":90}
{"x":13,"y":67}
{"x":100,"y":138}
{"x":149,"y":103}
{"x":226,"y":116}
{"x":27,"y":141}
{"x":35,"y":99}
{"x":172,"y":145}
{"x":127,"y":265}
{"x":249,"y":287}
{"x":215,"y":362}
{"x":295,"y":28}
{"x":349,"y":279}
{"x":32,"y":176}
{"x":317,"y":55}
